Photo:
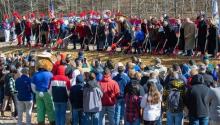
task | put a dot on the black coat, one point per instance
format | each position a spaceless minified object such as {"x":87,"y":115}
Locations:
{"x":18,"y":28}
{"x":213,"y":40}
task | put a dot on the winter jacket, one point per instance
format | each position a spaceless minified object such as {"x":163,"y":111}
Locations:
{"x":18,"y":28}
{"x":27,"y":29}
{"x":23,"y":86}
{"x":139,"y":36}
{"x":122,"y":79}
{"x":76,"y":93}
{"x":92,"y":97}
{"x":196,"y":98}
{"x":60,"y":85}
{"x":110,"y":91}
{"x":214,"y":109}
{"x":9,"y":84}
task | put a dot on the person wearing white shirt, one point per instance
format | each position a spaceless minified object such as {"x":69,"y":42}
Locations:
{"x":151,"y":104}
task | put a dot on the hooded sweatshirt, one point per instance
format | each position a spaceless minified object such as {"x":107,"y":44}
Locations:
{"x":60,"y":86}
{"x":110,"y":91}
{"x":196,"y":98}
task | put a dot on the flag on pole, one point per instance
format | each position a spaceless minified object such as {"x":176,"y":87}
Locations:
{"x":51,"y":9}
{"x":215,"y":13}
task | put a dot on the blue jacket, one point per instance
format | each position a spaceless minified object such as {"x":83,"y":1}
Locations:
{"x":41,"y":79}
{"x":139,"y":36}
{"x":122,"y":80}
{"x":23,"y":86}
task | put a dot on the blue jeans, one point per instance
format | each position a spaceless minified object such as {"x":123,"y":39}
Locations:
{"x":159,"y":121}
{"x":136,"y":122}
{"x":91,"y":118}
{"x":119,"y":111}
{"x":174,"y":118}
{"x":77,"y":116}
{"x":110,"y":111}
{"x":60,"y":112}
{"x":198,"y":120}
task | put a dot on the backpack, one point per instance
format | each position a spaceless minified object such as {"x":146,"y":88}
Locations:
{"x":175,"y":97}
{"x":92,"y":99}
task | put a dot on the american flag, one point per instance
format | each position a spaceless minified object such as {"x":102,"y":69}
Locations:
{"x":51,"y":9}
{"x":215,"y":14}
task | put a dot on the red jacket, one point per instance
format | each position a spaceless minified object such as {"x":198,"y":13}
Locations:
{"x":81,"y":30}
{"x":60,"y":85}
{"x":27,"y":29}
{"x":110,"y":91}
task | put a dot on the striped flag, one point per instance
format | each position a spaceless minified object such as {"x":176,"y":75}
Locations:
{"x":51,"y":9}
{"x":215,"y":13}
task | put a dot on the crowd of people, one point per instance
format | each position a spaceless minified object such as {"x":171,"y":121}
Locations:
{"x":128,"y":94}
{"x":164,"y":36}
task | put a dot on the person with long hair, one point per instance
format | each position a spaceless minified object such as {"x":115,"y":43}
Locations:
{"x":151,"y":104}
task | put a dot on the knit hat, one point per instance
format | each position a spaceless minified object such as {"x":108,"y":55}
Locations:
{"x":79,"y":79}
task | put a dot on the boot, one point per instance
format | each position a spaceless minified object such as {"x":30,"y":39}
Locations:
{"x":52,"y":123}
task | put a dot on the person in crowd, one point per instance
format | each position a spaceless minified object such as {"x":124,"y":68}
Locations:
{"x":60,"y":61}
{"x":132,"y":101}
{"x":27,"y":32}
{"x":170,"y":36}
{"x":208,"y":79}
{"x":69,"y":66}
{"x":19,"y":31}
{"x":111,"y":91}
{"x":25,"y":96}
{"x":197,"y":101}
{"x":210,"y":67}
{"x":59,"y":89}
{"x":76,"y":99}
{"x":202,"y":34}
{"x":6,"y":26}
{"x":214,"y":105}
{"x":40,"y":86}
{"x":44,"y":31}
{"x":1,"y":84}
{"x":189,"y":35}
{"x":36,"y":31}
{"x":92,"y":101}
{"x":139,"y":40}
{"x":98,"y":70}
{"x":151,"y":104}
{"x":174,"y":95}
{"x":101,"y":37}
{"x":154,"y":78}
{"x":10,"y":91}
{"x":122,"y":79}
{"x":213,"y":38}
